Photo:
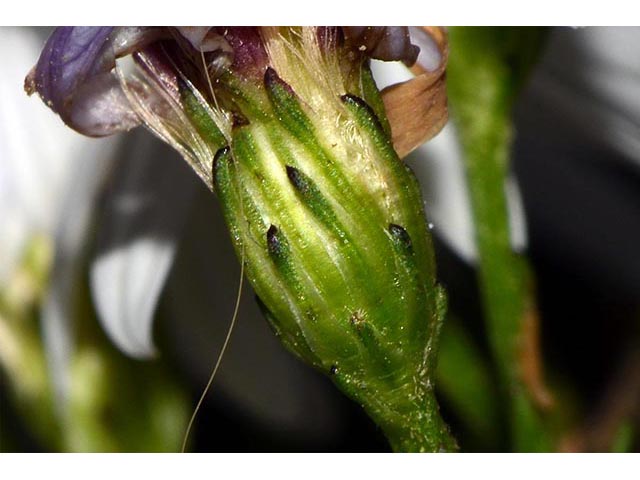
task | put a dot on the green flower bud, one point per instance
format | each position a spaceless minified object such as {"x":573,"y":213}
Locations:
{"x":286,"y":124}
{"x":331,"y":227}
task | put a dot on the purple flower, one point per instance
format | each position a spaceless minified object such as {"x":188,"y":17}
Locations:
{"x":74,"y":76}
{"x":76,"y":73}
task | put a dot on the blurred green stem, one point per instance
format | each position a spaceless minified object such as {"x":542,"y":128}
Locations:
{"x":22,"y":357}
{"x":464,"y":380}
{"x":113,"y":404}
{"x":486,"y":68}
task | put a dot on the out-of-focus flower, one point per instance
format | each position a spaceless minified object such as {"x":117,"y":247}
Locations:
{"x":35,"y":194}
{"x":61,"y":372}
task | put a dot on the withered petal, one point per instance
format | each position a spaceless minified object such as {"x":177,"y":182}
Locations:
{"x":417,"y":108}
{"x":74,"y":76}
{"x":383,"y":43}
{"x":205,"y":39}
{"x":195,"y":35}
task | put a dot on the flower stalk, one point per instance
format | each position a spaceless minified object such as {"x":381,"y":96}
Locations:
{"x":485,"y":75}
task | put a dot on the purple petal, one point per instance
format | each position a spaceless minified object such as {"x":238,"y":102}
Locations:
{"x":240,"y":48}
{"x":129,"y":39}
{"x":75,"y":78}
{"x":70,"y":56}
{"x":383,"y":43}
{"x":157,"y":65}
{"x":249,"y":54}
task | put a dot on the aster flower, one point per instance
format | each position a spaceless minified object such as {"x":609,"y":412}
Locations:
{"x":288,"y":128}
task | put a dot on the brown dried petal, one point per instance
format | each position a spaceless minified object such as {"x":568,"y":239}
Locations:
{"x":382,"y":43}
{"x":417,"y":108}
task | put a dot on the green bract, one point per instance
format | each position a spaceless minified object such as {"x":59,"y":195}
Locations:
{"x":330,"y":225}
{"x":287,"y":126}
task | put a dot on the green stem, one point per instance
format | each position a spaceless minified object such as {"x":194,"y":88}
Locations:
{"x":485,"y":69}
{"x":464,"y":380}
{"x":419,"y":430}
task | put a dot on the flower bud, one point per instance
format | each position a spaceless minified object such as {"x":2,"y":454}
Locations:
{"x":330,"y":225}
{"x":288,"y":127}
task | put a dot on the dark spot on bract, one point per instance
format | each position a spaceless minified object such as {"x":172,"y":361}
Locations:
{"x":239,"y":120}
{"x":399,"y":233}
{"x":273,"y":242}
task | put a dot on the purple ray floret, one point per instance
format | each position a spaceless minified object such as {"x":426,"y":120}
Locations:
{"x":75,"y":78}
